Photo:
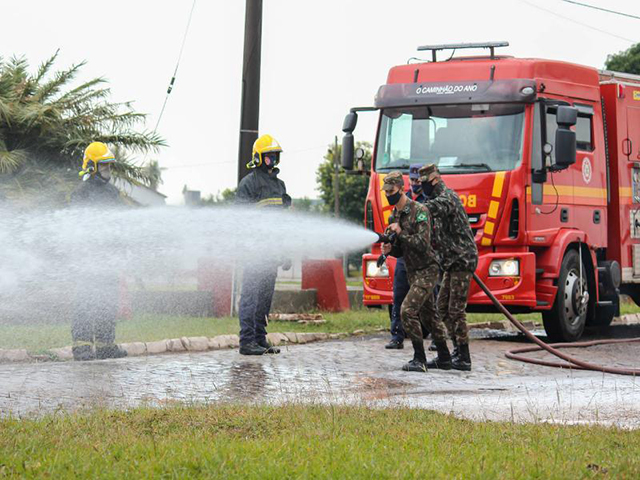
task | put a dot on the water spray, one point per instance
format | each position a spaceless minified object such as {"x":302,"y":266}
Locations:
{"x":49,"y":255}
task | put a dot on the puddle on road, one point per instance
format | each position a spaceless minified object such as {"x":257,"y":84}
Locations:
{"x":355,"y":371}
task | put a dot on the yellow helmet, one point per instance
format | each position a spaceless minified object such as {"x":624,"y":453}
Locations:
{"x":264,"y":144}
{"x":95,"y":153}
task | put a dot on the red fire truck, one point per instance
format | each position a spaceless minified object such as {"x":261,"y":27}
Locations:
{"x":545,"y":156}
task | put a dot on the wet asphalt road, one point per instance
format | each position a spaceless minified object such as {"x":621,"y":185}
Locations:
{"x":354,"y":371}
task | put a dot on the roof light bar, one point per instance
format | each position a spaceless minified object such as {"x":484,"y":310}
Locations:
{"x":455,"y":46}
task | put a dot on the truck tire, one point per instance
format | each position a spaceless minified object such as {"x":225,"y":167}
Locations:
{"x":566,"y":320}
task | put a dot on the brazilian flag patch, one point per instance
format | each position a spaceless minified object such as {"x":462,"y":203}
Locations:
{"x":421,"y":217}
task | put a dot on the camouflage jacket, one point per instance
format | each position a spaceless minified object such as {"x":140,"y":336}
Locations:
{"x":453,"y":240}
{"x":414,"y":241}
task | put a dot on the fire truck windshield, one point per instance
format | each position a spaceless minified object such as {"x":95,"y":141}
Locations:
{"x":462,"y":138}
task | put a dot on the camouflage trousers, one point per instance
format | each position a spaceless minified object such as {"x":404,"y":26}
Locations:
{"x":452,"y":303}
{"x":418,"y":308}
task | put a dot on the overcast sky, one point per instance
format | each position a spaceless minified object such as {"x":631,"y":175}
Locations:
{"x":318,"y":59}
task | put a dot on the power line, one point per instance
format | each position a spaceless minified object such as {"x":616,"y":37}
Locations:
{"x":212,"y":164}
{"x":175,"y":72}
{"x":578,"y":23}
{"x":602,"y":9}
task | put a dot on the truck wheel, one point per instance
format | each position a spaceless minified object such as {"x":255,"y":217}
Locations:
{"x":566,"y":320}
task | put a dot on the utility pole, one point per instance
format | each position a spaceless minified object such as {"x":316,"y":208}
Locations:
{"x":250,"y":102}
{"x":336,"y":197}
{"x":336,"y":179}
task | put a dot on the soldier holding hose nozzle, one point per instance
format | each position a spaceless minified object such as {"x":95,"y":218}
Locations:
{"x":400,"y":281}
{"x":412,"y":229}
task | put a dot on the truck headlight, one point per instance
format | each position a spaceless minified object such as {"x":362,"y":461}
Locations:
{"x":504,"y":268}
{"x":373,"y":270}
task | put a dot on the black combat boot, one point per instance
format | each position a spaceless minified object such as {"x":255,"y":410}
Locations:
{"x":83,"y":353}
{"x":110,"y":351}
{"x":455,"y":352}
{"x":418,"y":364}
{"x":394,"y":345}
{"x":268,"y":346}
{"x":443,"y":360}
{"x":252,"y":349}
{"x":463,"y":360}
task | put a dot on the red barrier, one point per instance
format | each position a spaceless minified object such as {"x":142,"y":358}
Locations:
{"x":327,"y":278}
{"x":124,"y":300}
{"x":216,"y":277}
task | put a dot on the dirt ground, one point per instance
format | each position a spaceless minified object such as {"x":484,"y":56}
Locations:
{"x":357,"y":370}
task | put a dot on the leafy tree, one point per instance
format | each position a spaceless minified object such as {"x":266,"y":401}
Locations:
{"x":304,"y":204}
{"x":45,"y":124}
{"x":626,"y":62}
{"x":226,"y":197}
{"x":352,"y":189}
{"x":153,"y":172}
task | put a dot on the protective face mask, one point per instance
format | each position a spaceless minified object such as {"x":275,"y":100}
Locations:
{"x":427,"y":188}
{"x":271,"y":160}
{"x":394,"y":198}
{"x":416,"y":189}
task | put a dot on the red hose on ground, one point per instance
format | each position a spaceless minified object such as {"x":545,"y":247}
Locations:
{"x":572,"y":362}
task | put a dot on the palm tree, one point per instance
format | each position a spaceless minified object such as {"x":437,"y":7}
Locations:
{"x":153,"y":171}
{"x":45,"y":124}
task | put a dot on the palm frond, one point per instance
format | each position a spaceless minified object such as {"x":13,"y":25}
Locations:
{"x":46,"y":122}
{"x":44,"y":68}
{"x":10,"y":160}
{"x":52,"y":87}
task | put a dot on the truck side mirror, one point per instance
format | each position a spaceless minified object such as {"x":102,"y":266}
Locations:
{"x":350,"y":122}
{"x":348,"y":126}
{"x":347,"y":151}
{"x":565,"y":148}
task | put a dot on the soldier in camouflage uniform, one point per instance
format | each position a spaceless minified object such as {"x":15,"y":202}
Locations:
{"x":413,"y":230}
{"x":459,"y":259}
{"x":400,"y":280}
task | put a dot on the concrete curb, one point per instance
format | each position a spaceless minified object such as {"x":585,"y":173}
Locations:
{"x":173,"y":345}
{"x":222,"y":342}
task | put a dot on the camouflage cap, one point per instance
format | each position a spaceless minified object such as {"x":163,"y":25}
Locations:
{"x":414,"y":171}
{"x":428,"y":172}
{"x":394,"y":179}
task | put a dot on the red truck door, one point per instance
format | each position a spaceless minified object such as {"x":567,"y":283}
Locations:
{"x":631,"y":145}
{"x":631,"y":149}
{"x":590,"y":176}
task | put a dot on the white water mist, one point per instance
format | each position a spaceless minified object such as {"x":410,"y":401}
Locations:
{"x":57,"y":253}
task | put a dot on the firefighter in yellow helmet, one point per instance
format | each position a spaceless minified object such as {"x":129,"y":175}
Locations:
{"x":264,"y":189}
{"x":96,"y":188}
{"x":96,"y":306}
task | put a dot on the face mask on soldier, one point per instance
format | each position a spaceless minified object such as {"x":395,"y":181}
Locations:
{"x":416,"y":189}
{"x":394,"y":198}
{"x":427,"y":188}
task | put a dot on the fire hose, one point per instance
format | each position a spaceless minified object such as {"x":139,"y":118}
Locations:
{"x":569,"y":361}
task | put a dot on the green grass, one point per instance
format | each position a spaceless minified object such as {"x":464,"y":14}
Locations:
{"x":148,"y":327}
{"x":306,"y":442}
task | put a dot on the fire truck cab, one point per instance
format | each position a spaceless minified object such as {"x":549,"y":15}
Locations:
{"x":545,"y":156}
